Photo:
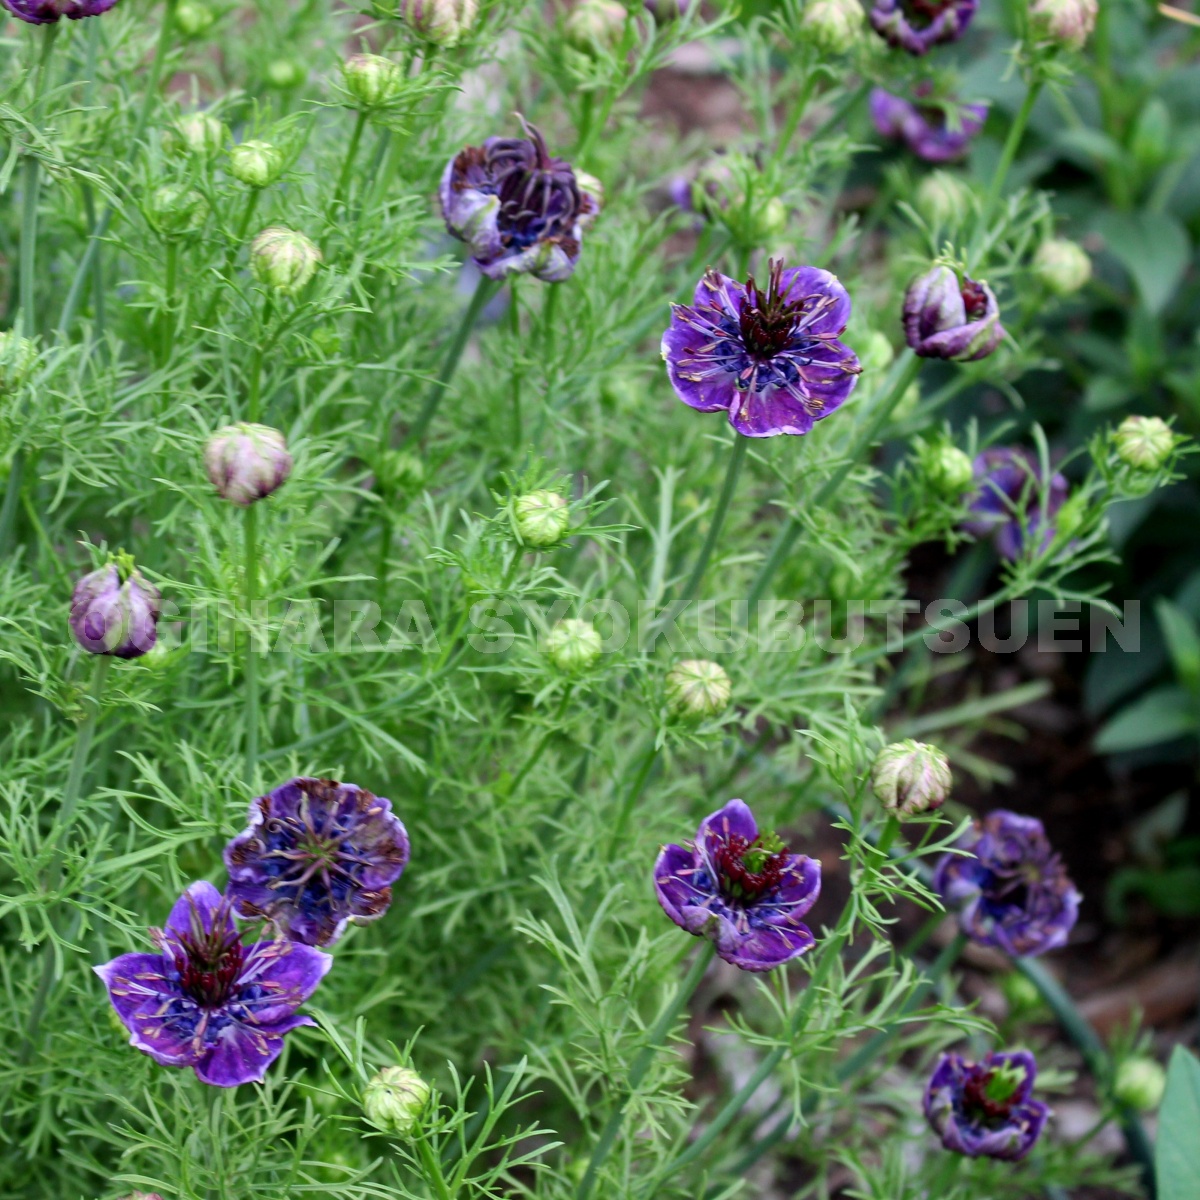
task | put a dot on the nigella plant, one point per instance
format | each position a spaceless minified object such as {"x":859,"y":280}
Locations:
{"x":47,"y":12}
{"x":937,"y":133}
{"x":919,"y":25}
{"x":1010,"y":888}
{"x":1009,"y":502}
{"x":770,"y":359}
{"x":207,"y":1001}
{"x":986,"y":1109}
{"x":316,"y":855}
{"x":742,"y":889}
{"x":519,"y":209}
{"x":115,"y":610}
{"x":948,"y":316}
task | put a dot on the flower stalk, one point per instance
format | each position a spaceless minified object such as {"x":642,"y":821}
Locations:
{"x":250,"y":582}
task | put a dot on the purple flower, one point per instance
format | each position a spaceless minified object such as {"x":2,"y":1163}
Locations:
{"x":935,"y":132}
{"x":919,"y":25}
{"x":1008,"y":500}
{"x":984,"y":1109}
{"x":317,"y":854}
{"x":770,"y":359}
{"x":741,"y":889}
{"x":517,"y":208}
{"x":48,"y":12}
{"x":1011,"y":890}
{"x":948,"y":317}
{"x":207,"y":1001}
{"x":115,"y":610}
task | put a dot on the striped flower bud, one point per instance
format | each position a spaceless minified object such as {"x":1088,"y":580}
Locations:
{"x":283,"y":259}
{"x":372,"y":79}
{"x":910,"y":777}
{"x":395,"y":1099}
{"x":697,"y":690}
{"x":573,"y":646}
{"x":1145,"y":443}
{"x":257,"y":164}
{"x":541,"y":518}
{"x":247,"y":462}
{"x":442,"y":22}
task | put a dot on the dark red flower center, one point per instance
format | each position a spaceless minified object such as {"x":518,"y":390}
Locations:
{"x":991,"y":1095}
{"x":921,"y":13}
{"x":975,"y":299}
{"x":768,"y":320}
{"x":748,"y":870}
{"x":209,"y":961}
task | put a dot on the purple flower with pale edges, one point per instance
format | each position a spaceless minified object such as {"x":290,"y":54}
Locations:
{"x":919,"y":25}
{"x":1010,"y":888}
{"x":207,"y":1001}
{"x":520,"y":210}
{"x":741,"y":889}
{"x":931,"y":131}
{"x":48,"y":12}
{"x":1008,"y":500}
{"x":316,"y":855}
{"x":770,"y":359}
{"x":115,"y":610}
{"x":946,"y":316}
{"x":985,"y":1109}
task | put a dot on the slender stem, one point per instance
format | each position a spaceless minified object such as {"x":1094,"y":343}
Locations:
{"x":535,"y":755}
{"x":251,"y":586}
{"x":649,"y":759}
{"x":514,"y":318}
{"x":902,"y":376}
{"x":641,"y":1064}
{"x":171,"y":274}
{"x":484,"y":291}
{"x":432,"y":1169}
{"x":351,"y":155}
{"x":734,"y":469}
{"x":1008,"y":155}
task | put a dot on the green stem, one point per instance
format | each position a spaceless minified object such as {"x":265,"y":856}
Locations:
{"x":432,"y":1169}
{"x":171,"y":273}
{"x":1008,"y":155}
{"x":732,"y":471}
{"x":484,"y":291}
{"x":635,"y":791}
{"x":251,"y":586}
{"x":535,"y":755}
{"x":641,"y":1064}
{"x":351,"y":155}
{"x":902,"y":376}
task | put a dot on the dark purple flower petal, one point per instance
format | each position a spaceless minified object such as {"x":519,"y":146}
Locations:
{"x":926,"y":129}
{"x":742,"y":890}
{"x":316,"y":855}
{"x":1008,"y":500}
{"x":47,"y":12}
{"x":948,"y":317}
{"x":919,"y":25}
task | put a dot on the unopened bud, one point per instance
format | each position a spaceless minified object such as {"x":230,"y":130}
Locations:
{"x":1067,"y":22}
{"x":832,"y":25}
{"x":910,"y":777}
{"x":17,"y":356}
{"x":175,"y":211}
{"x":947,"y":470}
{"x":372,"y":79}
{"x":942,"y":197}
{"x":395,"y":1100}
{"x":285,"y":74}
{"x":400,"y":472}
{"x":1140,"y":1083}
{"x":1144,"y":442}
{"x":595,"y":25}
{"x":115,"y":610}
{"x":573,"y":646}
{"x":697,"y":689}
{"x":283,"y":259}
{"x":541,"y":518}
{"x":194,"y":20}
{"x":1063,"y":266}
{"x":200,"y":134}
{"x":442,"y":22}
{"x":256,"y":164}
{"x":247,"y":462}
{"x":141,"y":1195}
{"x":1020,"y":994}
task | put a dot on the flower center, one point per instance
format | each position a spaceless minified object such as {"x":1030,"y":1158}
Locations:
{"x":990,"y":1095}
{"x":974,"y":299}
{"x":209,"y":962}
{"x":921,"y":13}
{"x":539,"y":199}
{"x":768,"y":321}
{"x":748,"y":870}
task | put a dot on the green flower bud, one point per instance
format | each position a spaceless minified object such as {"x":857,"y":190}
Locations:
{"x":395,"y":1100}
{"x":372,"y":79}
{"x":910,"y":777}
{"x":697,"y":689}
{"x":1140,"y":1083}
{"x":946,"y":469}
{"x":833,"y":26}
{"x":875,"y":353}
{"x":285,"y":74}
{"x":1144,"y":442}
{"x":142,"y":1195}
{"x":595,"y":26}
{"x":1020,"y":994}
{"x":200,"y":134}
{"x":942,"y":197}
{"x":175,"y":210}
{"x":194,"y":20}
{"x":1063,"y":266}
{"x":1068,"y":23}
{"x":400,"y":472}
{"x":442,"y":22}
{"x":17,"y":357}
{"x":256,"y":164}
{"x":573,"y":646}
{"x":283,"y":259}
{"x":541,"y":518}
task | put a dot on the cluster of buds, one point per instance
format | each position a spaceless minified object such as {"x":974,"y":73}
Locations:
{"x":1062,"y":266}
{"x":199,"y":134}
{"x":395,"y":1099}
{"x":247,"y":462}
{"x":284,"y":260}
{"x":256,"y":163}
{"x":574,"y":646}
{"x":1144,"y":443}
{"x":1066,"y":23}
{"x":372,"y":80}
{"x":541,"y":518}
{"x":440,"y":22}
{"x":910,"y":777}
{"x":115,"y":610}
{"x":697,"y":690}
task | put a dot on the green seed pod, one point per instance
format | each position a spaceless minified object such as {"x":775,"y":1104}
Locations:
{"x":833,"y":26}
{"x":1063,"y":266}
{"x":283,"y":259}
{"x":442,"y":22}
{"x":174,"y":210}
{"x":697,"y":690}
{"x":1140,"y":1083}
{"x":541,"y":518}
{"x":1145,"y":443}
{"x":256,"y":164}
{"x":372,"y":80}
{"x":573,"y":646}
{"x":200,"y":134}
{"x":395,"y":1099}
{"x":910,"y":777}
{"x":194,"y":20}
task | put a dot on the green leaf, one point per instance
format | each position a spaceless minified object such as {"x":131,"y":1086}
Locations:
{"x":1183,"y":642}
{"x":1177,"y":1156}
{"x":1153,"y":248}
{"x":1158,"y":716}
